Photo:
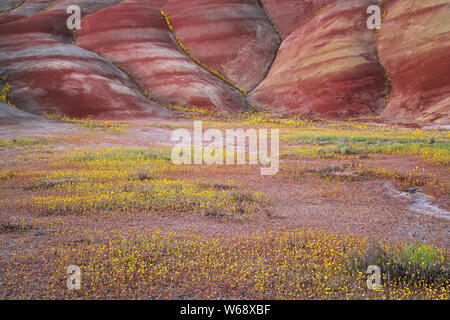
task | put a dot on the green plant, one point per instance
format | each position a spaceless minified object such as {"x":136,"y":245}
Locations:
{"x":411,"y":263}
{"x":123,"y":154}
{"x":344,"y":149}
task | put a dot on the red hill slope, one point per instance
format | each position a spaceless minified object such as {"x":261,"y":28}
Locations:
{"x":134,"y":58}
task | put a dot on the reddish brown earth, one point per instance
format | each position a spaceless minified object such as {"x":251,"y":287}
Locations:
{"x":414,"y":47}
{"x":290,"y":15}
{"x":234,"y":37}
{"x":328,"y":67}
{"x":368,"y":208}
{"x":135,"y":35}
{"x":50,"y":75}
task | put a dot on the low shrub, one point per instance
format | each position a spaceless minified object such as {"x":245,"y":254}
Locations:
{"x":412,"y":263}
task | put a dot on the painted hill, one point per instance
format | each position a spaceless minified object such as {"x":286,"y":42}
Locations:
{"x":153,"y":58}
{"x":328,"y":67}
{"x":140,"y":58}
{"x":414,"y":48}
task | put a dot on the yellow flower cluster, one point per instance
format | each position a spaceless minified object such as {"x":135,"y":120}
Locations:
{"x":74,"y":37}
{"x":190,"y":109}
{"x":290,"y":264}
{"x":5,"y":92}
{"x":112,"y":126}
{"x":110,"y":179}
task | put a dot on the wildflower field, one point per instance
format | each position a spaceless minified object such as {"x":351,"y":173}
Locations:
{"x":108,"y":198}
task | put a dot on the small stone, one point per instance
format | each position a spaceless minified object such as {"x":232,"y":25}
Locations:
{"x":414,"y":189}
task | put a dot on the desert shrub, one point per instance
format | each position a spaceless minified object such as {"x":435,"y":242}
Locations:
{"x":50,"y":183}
{"x":142,"y":175}
{"x":14,"y":225}
{"x":217,"y":186}
{"x":344,"y":149}
{"x":412,"y":263}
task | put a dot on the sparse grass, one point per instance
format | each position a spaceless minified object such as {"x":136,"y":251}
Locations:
{"x":122,"y":154}
{"x":329,"y":146}
{"x":28,"y":142}
{"x":321,"y":138}
{"x":317,"y":139}
{"x":438,"y":153}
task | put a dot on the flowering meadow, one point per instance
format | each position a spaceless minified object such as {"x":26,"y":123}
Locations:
{"x":139,"y":226}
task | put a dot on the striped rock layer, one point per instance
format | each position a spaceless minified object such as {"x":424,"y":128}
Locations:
{"x":26,"y":9}
{"x":50,"y":75}
{"x":328,"y":67}
{"x":135,"y":36}
{"x":15,"y":117}
{"x":290,"y":15}
{"x":233,"y":37}
{"x":414,"y":47}
{"x":7,"y":5}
